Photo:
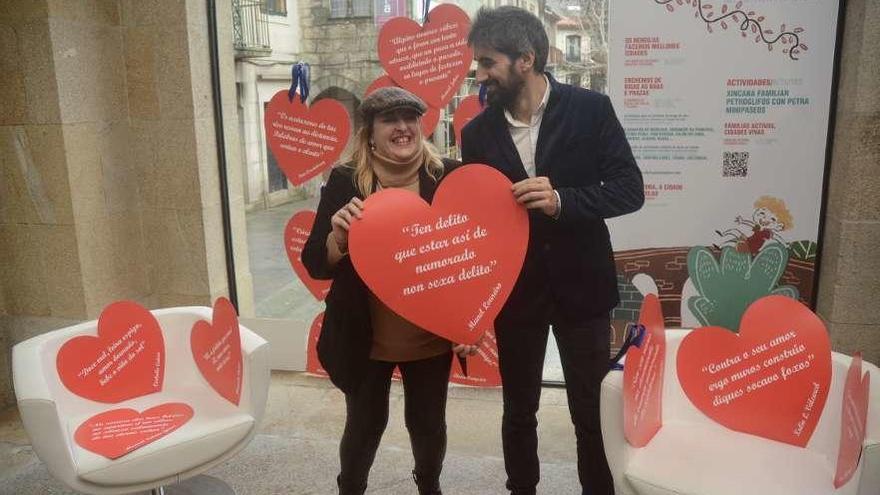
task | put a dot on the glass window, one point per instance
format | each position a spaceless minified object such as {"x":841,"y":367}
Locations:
{"x":275,"y":7}
{"x":573,"y":48}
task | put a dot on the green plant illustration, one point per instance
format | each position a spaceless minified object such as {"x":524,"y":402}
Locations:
{"x":803,"y":250}
{"x":728,"y":287}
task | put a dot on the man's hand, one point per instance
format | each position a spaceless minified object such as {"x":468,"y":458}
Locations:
{"x":537,"y":193}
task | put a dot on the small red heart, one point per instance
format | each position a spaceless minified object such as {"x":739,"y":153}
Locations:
{"x":854,"y":420}
{"x":115,"y":433}
{"x":295,"y":235}
{"x":126,"y":359}
{"x":468,"y":108}
{"x":643,"y":377}
{"x":429,"y":119}
{"x":216,"y":349}
{"x":313,"y":365}
{"x":483,"y":368}
{"x":431,"y":60}
{"x":771,"y":380}
{"x":450,"y":266}
{"x":305,"y":140}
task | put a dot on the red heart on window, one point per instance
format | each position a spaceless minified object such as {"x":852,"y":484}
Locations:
{"x":216,"y":349}
{"x":643,"y":377}
{"x":305,"y":140}
{"x":468,"y":108}
{"x":771,"y":380}
{"x":447,"y":267}
{"x":295,"y":235}
{"x":125,"y":360}
{"x":115,"y":433}
{"x":430,"y":61}
{"x":429,"y":119}
{"x":854,"y":418}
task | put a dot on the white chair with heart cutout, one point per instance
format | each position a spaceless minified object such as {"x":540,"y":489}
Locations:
{"x":692,"y":454}
{"x":184,"y":448}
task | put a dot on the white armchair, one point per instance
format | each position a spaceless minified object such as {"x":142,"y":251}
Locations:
{"x":691,"y":454}
{"x":217,"y":431}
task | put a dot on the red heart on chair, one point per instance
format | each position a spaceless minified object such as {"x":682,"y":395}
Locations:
{"x":643,"y":377}
{"x":468,"y":108}
{"x":115,"y":433}
{"x":305,"y":140}
{"x":431,"y":60}
{"x":216,"y":349}
{"x":296,"y":233}
{"x":854,"y":418}
{"x":771,"y":380}
{"x":446,"y":267}
{"x":429,"y":119}
{"x":125,"y":360}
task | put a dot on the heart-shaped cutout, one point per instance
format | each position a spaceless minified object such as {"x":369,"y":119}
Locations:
{"x":296,"y":233}
{"x":115,"y":433}
{"x":126,"y":359}
{"x":643,"y":377}
{"x":482,"y":367}
{"x":468,"y":108}
{"x":305,"y":140}
{"x":313,"y":365}
{"x":854,"y":420}
{"x":447,"y":267}
{"x":429,"y":119}
{"x":430,"y":61}
{"x":771,"y":380}
{"x":216,"y":349}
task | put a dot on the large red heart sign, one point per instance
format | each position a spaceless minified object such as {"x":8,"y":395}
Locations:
{"x":771,"y":380}
{"x":643,"y":377}
{"x":429,"y":119}
{"x":854,"y":419}
{"x":216,"y":349}
{"x":125,"y":360}
{"x":482,"y":367}
{"x":431,"y":60}
{"x":305,"y":140}
{"x":115,"y":433}
{"x":450,"y":266}
{"x":468,"y":108}
{"x":296,"y":233}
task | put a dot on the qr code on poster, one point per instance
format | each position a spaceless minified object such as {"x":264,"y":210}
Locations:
{"x":735,"y":164}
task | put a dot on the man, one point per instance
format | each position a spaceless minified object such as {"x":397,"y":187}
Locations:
{"x":567,"y":155}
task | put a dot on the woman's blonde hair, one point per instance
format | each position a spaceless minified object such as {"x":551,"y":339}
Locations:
{"x":364,"y":176}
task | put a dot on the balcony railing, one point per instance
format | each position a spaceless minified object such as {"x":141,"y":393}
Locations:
{"x":250,"y":29}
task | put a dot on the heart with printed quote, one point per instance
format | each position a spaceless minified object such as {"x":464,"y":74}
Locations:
{"x":447,"y":267}
{"x":115,"y":433}
{"x":125,"y":360}
{"x":430,"y":61}
{"x":216,"y":350}
{"x":643,"y":377}
{"x":771,"y":380}
{"x":305,"y":140}
{"x":296,"y":233}
{"x":429,"y":119}
{"x":854,"y":421}
{"x":468,"y":108}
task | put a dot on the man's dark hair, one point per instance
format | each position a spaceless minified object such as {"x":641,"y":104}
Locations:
{"x":511,"y":31}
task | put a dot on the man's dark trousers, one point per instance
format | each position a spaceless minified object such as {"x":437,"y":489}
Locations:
{"x":584,"y":351}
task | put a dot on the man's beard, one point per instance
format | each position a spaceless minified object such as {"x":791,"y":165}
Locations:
{"x":506,"y":96}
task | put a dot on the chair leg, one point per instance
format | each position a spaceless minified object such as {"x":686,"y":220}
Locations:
{"x":158,"y":491}
{"x":199,"y":485}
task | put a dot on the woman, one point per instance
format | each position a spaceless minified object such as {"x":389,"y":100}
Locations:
{"x":362,"y":340}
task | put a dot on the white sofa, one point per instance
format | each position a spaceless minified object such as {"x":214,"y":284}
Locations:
{"x":217,"y":431}
{"x":693,"y":455}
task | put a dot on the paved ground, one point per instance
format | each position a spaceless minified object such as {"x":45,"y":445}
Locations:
{"x":295,"y":450}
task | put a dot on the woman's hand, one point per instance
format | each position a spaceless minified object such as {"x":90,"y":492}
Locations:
{"x":341,"y":222}
{"x":465,"y":350}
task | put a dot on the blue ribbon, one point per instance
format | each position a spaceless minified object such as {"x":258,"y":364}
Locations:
{"x":635,"y":335}
{"x":300,"y":74}
{"x":482,"y":96}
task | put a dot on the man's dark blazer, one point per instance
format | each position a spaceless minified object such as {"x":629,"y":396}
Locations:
{"x":347,"y":334}
{"x":569,"y":274}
